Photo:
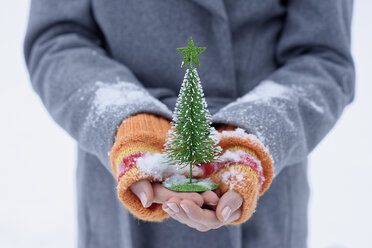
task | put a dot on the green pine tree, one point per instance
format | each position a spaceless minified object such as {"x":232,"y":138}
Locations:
{"x":190,"y":141}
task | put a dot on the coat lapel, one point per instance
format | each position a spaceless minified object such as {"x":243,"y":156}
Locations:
{"x":216,"y":7}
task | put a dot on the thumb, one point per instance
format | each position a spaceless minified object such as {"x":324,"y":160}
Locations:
{"x":228,"y":204}
{"x":143,"y":190}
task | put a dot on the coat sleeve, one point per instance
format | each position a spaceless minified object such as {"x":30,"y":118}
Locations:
{"x":86,"y":92}
{"x":297,"y":105}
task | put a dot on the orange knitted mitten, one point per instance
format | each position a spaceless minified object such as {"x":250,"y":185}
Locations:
{"x":246,"y":167}
{"x":140,"y":136}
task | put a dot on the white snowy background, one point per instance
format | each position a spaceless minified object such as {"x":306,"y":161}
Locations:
{"x":37,"y":158}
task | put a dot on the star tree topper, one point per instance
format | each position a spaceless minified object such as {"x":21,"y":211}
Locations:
{"x":191,"y":53}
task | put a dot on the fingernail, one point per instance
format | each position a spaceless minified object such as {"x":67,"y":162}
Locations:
{"x":143,"y":199}
{"x":173,"y":206}
{"x":185,"y":208}
{"x":168,"y":211}
{"x":212,"y":204}
{"x":226,"y":213}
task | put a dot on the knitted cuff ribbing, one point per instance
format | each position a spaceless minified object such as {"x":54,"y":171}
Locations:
{"x":250,"y":173}
{"x":137,"y":135}
{"x":230,"y":138}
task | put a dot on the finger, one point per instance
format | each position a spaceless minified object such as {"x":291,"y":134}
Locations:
{"x":201,"y":216}
{"x":143,"y":190}
{"x":172,"y":207}
{"x":236,"y":215}
{"x":196,"y":226}
{"x":210,"y":198}
{"x":228,"y":204}
{"x":163,"y":194}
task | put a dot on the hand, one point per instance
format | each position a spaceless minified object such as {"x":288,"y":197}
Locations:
{"x":150,"y":193}
{"x":187,"y":212}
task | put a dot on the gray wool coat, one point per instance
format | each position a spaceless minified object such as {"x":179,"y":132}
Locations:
{"x":280,"y":69}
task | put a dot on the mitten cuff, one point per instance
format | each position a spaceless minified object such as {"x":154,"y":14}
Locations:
{"x":240,"y":171}
{"x":131,"y":201}
{"x":139,"y":133}
{"x":231,"y":136}
{"x":138,"y":136}
{"x":246,"y":167}
{"x":243,"y":180}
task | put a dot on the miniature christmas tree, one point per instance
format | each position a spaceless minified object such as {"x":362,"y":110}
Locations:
{"x":190,"y":142}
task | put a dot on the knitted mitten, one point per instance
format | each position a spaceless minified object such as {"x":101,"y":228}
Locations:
{"x":246,"y":167}
{"x":139,"y":136}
